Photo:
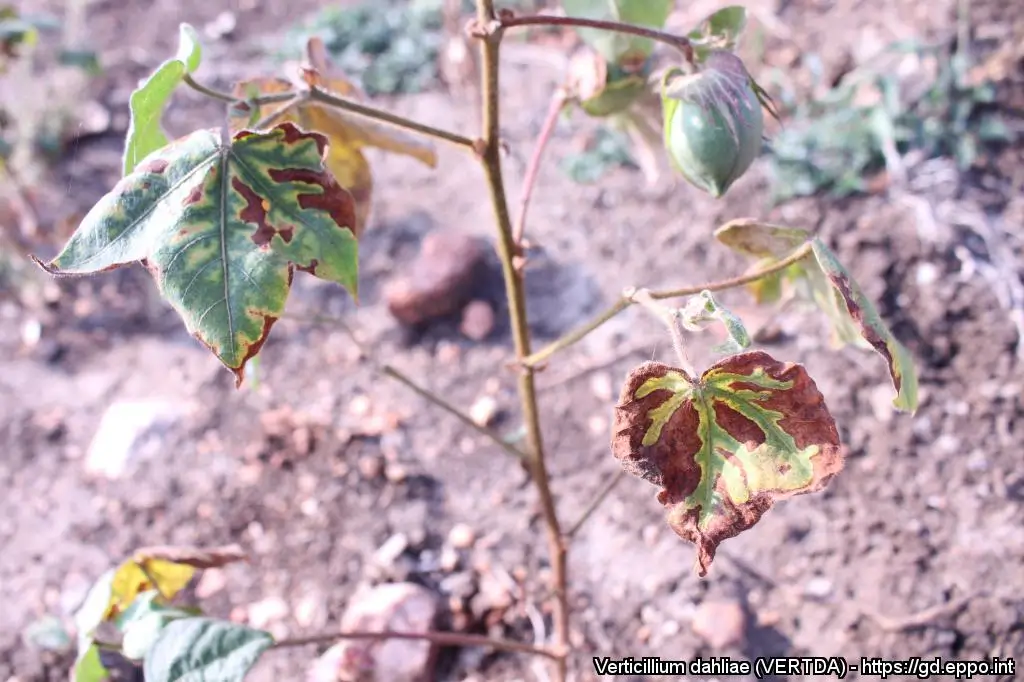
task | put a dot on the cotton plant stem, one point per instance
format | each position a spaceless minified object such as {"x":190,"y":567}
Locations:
{"x":625,"y":301}
{"x":600,"y":497}
{"x":490,"y":157}
{"x":440,"y":402}
{"x":681,"y":43}
{"x":441,"y":638}
{"x":558,"y":101}
{"x":421,"y":391}
{"x":673,"y":320}
{"x":324,"y":97}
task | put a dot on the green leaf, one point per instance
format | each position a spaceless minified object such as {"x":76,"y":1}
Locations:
{"x":719,"y":31}
{"x":768,"y":244}
{"x":222,"y":226}
{"x":704,"y":308}
{"x":147,"y":103}
{"x":751,"y":431}
{"x":88,"y":667}
{"x":874,"y":330}
{"x":620,"y":48}
{"x":204,"y":650}
{"x":87,"y":60}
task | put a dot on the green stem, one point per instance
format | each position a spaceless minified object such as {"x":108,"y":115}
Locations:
{"x":603,"y":493}
{"x":490,"y":156}
{"x":441,"y":638}
{"x":437,"y":400}
{"x":327,"y":98}
{"x":626,"y":301}
{"x":681,"y":43}
{"x":231,"y":99}
{"x":421,"y":391}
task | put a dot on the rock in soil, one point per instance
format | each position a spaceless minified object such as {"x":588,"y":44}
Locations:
{"x":398,"y":606}
{"x":121,"y":433}
{"x":720,"y":623}
{"x":477,"y":320}
{"x":441,"y":279}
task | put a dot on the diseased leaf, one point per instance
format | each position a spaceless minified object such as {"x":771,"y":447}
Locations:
{"x":204,"y":650}
{"x":874,"y":330}
{"x":620,"y":48}
{"x":719,"y":31}
{"x":821,"y":278}
{"x":751,"y":431}
{"x":704,"y":308}
{"x":221,"y":226}
{"x":768,"y":244}
{"x":348,"y":135}
{"x":134,"y":578}
{"x":215,"y":557}
{"x":147,"y":103}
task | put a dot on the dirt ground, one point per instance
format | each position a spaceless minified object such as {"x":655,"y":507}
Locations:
{"x":916,"y":549}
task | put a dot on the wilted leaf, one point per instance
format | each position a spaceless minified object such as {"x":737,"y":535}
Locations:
{"x":222,"y":225}
{"x":215,"y":557}
{"x":821,"y":277}
{"x":768,"y":244}
{"x":874,"y":330}
{"x":147,"y":103}
{"x":724,"y":448}
{"x":201,"y":649}
{"x":348,"y":135}
{"x":134,"y":578}
{"x":620,"y":48}
{"x":720,"y":31}
{"x":704,"y":308}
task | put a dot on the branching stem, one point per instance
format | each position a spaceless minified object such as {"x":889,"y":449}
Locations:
{"x":625,"y":301}
{"x":441,"y":638}
{"x":681,"y":43}
{"x":327,"y":98}
{"x":490,"y":157}
{"x":533,"y":169}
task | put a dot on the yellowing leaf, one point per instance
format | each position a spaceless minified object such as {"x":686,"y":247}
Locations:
{"x":164,"y":569}
{"x":723,"y":448}
{"x":135,"y":577}
{"x":348,"y":135}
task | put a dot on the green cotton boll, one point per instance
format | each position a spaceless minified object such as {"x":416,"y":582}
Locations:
{"x":713,"y":122}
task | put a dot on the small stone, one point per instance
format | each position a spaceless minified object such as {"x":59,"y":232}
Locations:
{"x":484,"y":410}
{"x":477,"y":320}
{"x":212,"y":581}
{"x":123,"y":429}
{"x":371,"y":466}
{"x":360,"y":406}
{"x":818,"y":587}
{"x":310,"y":611}
{"x":397,"y":607}
{"x":441,"y":279}
{"x":601,"y":386}
{"x":720,"y":623}
{"x":461,"y":536}
{"x":597,"y":424}
{"x":267,"y":611}
{"x":460,"y":585}
{"x":449,"y":560}
{"x":492,"y":598}
{"x":396,"y":473}
{"x":388,"y":553}
{"x":670,"y":628}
